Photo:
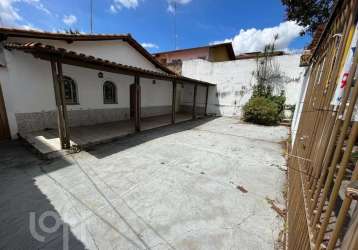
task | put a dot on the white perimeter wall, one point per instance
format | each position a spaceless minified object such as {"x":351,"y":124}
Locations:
{"x":230,"y":78}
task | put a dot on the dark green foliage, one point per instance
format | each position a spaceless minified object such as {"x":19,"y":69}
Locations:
{"x":264,"y":107}
{"x":308,"y":13}
{"x":280,"y":101}
{"x":262,"y":90}
{"x":261,"y":110}
{"x":265,"y":91}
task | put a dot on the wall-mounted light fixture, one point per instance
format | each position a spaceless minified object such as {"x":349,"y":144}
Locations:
{"x":100,"y":74}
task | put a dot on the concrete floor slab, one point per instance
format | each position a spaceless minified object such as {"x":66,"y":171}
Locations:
{"x":47,"y":142}
{"x":169,"y":188}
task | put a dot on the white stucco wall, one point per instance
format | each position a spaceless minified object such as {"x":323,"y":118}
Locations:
{"x":158,"y":94}
{"x":32,"y":85}
{"x":28,"y":86}
{"x":114,"y":50}
{"x":230,"y":78}
{"x":299,"y":105}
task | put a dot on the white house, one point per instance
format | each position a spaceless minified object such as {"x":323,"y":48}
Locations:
{"x":59,"y":81}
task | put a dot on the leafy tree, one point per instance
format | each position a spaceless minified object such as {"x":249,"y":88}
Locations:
{"x":308,"y":13}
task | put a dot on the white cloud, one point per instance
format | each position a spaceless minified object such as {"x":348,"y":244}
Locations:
{"x":119,"y":4}
{"x":128,"y":3}
{"x":252,"y":40}
{"x":29,"y":27}
{"x":171,"y":4}
{"x":10,"y":15}
{"x":38,"y":5}
{"x":113,"y":9}
{"x":69,"y":20}
{"x":150,"y":46}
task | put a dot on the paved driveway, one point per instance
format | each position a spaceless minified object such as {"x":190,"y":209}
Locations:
{"x":197,"y":185}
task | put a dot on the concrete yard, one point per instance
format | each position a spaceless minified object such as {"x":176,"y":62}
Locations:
{"x":197,"y":185}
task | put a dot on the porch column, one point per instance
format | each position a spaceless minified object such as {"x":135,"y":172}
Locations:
{"x":61,"y":107}
{"x":174,"y":99}
{"x":206,"y":100}
{"x":65,"y":140}
{"x":137,"y":103}
{"x":194,"y":100}
{"x":60,"y":122}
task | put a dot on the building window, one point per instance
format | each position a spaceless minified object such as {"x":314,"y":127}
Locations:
{"x":70,"y":90}
{"x":109,"y":93}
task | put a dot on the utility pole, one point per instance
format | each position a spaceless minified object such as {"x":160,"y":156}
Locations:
{"x":91,"y":16}
{"x":175,"y":26}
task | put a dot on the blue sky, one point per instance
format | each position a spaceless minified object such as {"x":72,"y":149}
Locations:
{"x":248,"y":24}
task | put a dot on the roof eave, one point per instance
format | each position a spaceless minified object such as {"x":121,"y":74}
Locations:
{"x":46,"y":52}
{"x":5,"y":33}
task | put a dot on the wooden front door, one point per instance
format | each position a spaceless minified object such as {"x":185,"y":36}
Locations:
{"x":132,"y":100}
{"x":4,"y":126}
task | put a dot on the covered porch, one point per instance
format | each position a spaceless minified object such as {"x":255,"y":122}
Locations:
{"x":67,"y":135}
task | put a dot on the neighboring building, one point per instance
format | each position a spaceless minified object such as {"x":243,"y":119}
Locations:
{"x":234,"y":80}
{"x":258,"y":54}
{"x":57,"y":81}
{"x":212,"y":53}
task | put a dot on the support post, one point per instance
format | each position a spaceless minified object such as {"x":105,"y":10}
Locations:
{"x":65,"y":142}
{"x":137,"y":103}
{"x":174,"y":100}
{"x":194,"y":100}
{"x":206,"y":100}
{"x":56,"y":88}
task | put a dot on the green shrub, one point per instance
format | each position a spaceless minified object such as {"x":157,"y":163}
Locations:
{"x":280,"y":101}
{"x":261,"y":110}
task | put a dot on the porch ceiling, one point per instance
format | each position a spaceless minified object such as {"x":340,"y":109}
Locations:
{"x":47,"y":52}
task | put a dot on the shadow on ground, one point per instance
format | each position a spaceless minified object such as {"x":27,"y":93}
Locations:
{"x":19,"y":197}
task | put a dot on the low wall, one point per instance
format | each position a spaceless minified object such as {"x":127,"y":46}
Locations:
{"x":28,"y":122}
{"x":36,"y":121}
{"x":155,"y":111}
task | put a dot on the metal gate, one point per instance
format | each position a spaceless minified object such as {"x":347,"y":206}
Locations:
{"x":323,"y":162}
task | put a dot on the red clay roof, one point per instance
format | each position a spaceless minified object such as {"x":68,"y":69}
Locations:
{"x":38,"y":50}
{"x":10,"y":32}
{"x":228,"y":46}
{"x":252,"y":55}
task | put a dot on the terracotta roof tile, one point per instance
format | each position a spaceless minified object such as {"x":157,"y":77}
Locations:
{"x":11,"y":32}
{"x":35,"y":48}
